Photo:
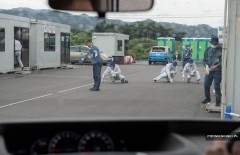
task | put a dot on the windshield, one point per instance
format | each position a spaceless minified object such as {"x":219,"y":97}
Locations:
{"x":158,"y":49}
{"x":74,"y":49}
{"x":40,"y":79}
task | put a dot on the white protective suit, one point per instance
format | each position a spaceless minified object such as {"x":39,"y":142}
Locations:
{"x":191,"y":71}
{"x":167,"y":72}
{"x":114,"y":73}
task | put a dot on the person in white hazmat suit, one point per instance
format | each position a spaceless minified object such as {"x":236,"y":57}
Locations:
{"x":168,"y":72}
{"x":114,"y":72}
{"x":190,"y":70}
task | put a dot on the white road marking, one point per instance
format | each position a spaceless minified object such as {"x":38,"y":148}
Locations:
{"x":25,"y":100}
{"x":59,"y":76}
{"x":75,"y":88}
{"x":44,"y":96}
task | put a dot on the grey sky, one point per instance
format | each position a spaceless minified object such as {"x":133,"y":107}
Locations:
{"x":189,"y":12}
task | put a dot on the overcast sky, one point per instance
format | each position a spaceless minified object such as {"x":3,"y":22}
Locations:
{"x":189,"y":12}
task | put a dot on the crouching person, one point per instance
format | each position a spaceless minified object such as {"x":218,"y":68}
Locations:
{"x":168,"y":72}
{"x":190,"y":70}
{"x":114,"y":72}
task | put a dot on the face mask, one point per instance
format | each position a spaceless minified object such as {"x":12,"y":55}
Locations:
{"x":213,"y":46}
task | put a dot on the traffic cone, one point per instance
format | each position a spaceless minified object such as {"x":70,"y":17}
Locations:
{"x":134,"y":59}
{"x":130,"y":59}
{"x":227,"y":112}
{"x":124,"y":60}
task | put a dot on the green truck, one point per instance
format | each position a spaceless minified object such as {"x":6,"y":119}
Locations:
{"x":198,"y":46}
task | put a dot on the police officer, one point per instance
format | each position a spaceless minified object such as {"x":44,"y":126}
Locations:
{"x":96,"y":60}
{"x":187,"y":54}
{"x":212,"y":62}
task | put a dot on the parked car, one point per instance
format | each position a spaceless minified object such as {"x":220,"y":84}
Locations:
{"x":159,"y":54}
{"x":79,"y":51}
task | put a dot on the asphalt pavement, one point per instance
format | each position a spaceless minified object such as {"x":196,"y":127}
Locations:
{"x":64,"y":93}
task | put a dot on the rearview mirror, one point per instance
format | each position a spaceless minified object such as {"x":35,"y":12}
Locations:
{"x":101,"y":6}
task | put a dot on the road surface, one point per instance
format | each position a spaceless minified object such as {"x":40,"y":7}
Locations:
{"x":64,"y":93}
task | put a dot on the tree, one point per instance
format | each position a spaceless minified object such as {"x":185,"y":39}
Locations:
{"x":80,"y":38}
{"x":140,"y":47}
{"x":142,"y":35}
{"x":143,"y":29}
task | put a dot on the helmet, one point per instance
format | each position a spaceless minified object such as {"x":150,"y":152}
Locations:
{"x":214,"y":40}
{"x":174,"y":63}
{"x":191,"y":61}
{"x":111,"y":64}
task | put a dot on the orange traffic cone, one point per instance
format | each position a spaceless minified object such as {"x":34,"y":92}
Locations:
{"x":124,"y":60}
{"x":134,"y":59}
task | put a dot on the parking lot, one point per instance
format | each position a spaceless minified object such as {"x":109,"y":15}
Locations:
{"x":64,"y":93}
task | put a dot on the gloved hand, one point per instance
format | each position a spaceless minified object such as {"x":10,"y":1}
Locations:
{"x":192,"y":73}
{"x":81,"y":62}
{"x":207,"y":70}
{"x":173,"y":72}
{"x":113,"y":73}
{"x":171,"y":80}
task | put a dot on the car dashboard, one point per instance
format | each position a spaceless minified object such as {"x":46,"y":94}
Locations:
{"x":139,"y":137}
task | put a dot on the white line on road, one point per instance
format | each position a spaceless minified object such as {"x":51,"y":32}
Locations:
{"x":59,"y":76}
{"x":45,"y":95}
{"x":75,"y":88}
{"x":25,"y":100}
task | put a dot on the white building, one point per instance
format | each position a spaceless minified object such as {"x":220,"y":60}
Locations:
{"x":11,"y":26}
{"x":49,"y":44}
{"x":45,"y":44}
{"x":114,"y":44}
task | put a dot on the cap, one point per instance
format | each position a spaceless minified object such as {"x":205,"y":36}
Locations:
{"x":191,"y":61}
{"x":214,"y":40}
{"x":111,"y":63}
{"x":174,"y":63}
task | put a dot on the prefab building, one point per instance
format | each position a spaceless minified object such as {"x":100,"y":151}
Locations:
{"x":49,"y":44}
{"x":114,"y":44}
{"x":198,"y":45}
{"x":44,"y":44}
{"x":11,"y":27}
